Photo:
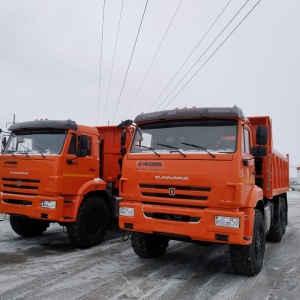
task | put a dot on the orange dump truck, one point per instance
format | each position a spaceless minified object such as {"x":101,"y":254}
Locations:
{"x":58,"y":171}
{"x":204,"y":175}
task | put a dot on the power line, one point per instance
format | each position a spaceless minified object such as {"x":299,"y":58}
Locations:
{"x":202,"y":38}
{"x":130,"y":59}
{"x":294,"y":140}
{"x":103,"y":10}
{"x":213,"y":53}
{"x":112,"y":67}
{"x":203,"y":54}
{"x":155,"y":56}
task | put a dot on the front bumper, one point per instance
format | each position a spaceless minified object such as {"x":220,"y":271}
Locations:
{"x":30,"y":206}
{"x":187,"y":223}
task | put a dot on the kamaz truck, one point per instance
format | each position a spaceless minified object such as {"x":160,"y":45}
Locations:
{"x":204,"y":175}
{"x":59,"y":171}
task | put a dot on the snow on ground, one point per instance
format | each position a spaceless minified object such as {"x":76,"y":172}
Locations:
{"x":49,"y":267}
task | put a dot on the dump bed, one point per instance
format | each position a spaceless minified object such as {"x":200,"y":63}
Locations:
{"x":272,"y":171}
{"x":110,"y":156}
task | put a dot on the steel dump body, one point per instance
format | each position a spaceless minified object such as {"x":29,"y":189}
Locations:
{"x":110,"y":154}
{"x":179,"y":193}
{"x":273,"y":171}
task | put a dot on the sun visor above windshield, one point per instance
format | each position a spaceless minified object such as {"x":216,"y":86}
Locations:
{"x":57,"y":124}
{"x":189,"y":113}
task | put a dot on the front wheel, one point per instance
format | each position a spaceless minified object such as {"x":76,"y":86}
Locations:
{"x":27,"y":227}
{"x":148,"y":245}
{"x":91,"y":224}
{"x":248,"y":260}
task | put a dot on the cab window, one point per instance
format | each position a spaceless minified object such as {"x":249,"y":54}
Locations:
{"x":246,"y":141}
{"x":75,"y":142}
{"x":73,"y":145}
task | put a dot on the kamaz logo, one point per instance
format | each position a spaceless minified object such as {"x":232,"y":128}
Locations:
{"x":172,"y":177}
{"x":171,"y":191}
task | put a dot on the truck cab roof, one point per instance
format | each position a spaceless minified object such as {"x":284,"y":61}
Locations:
{"x":191,"y":113}
{"x":57,"y":124}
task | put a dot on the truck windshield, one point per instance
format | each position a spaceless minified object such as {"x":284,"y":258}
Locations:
{"x":193,"y":136}
{"x":36,"y":142}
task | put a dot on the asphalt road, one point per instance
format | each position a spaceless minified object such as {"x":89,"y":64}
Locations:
{"x":49,"y":267}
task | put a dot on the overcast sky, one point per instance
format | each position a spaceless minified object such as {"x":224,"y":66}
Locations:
{"x":52,"y":66}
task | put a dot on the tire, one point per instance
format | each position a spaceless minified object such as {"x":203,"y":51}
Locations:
{"x":27,"y":227}
{"x":91,"y":224}
{"x":292,"y":189}
{"x":278,"y":225}
{"x":248,"y":260}
{"x":148,"y":245}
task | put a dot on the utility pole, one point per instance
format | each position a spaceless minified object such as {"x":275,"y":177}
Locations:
{"x":13,"y":122}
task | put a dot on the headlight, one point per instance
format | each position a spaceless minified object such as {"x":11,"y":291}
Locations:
{"x":227,"y":221}
{"x":48,"y":204}
{"x":126,"y":211}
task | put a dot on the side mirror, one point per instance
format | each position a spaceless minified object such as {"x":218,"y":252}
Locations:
{"x":20,"y":140}
{"x":83,"y":142}
{"x":82,"y":146}
{"x":125,"y":124}
{"x":4,"y":141}
{"x":123,"y":138}
{"x":258,"y":151}
{"x":80,"y":152}
{"x":261,"y":135}
{"x":123,"y":151}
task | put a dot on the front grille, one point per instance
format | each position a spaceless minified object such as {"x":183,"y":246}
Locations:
{"x":172,"y":217}
{"x":175,"y":191}
{"x":181,"y":196}
{"x":173,"y":204}
{"x":178,"y":187}
{"x":16,"y":184}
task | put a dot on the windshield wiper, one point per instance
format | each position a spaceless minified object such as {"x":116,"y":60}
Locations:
{"x":199,"y":147}
{"x":41,"y":152}
{"x":152,"y":149}
{"x":25,"y":149}
{"x":172,"y":147}
{"x":12,"y":151}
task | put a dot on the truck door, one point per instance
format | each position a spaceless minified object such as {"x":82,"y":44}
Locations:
{"x":78,"y":170}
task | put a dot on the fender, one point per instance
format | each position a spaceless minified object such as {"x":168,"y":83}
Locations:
{"x":255,"y":196}
{"x":92,"y":185}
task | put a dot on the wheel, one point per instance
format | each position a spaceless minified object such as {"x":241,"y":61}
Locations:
{"x":91,"y":224}
{"x":27,"y":227}
{"x":292,"y":189}
{"x":278,"y":225}
{"x":248,"y":260}
{"x":148,"y":245}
